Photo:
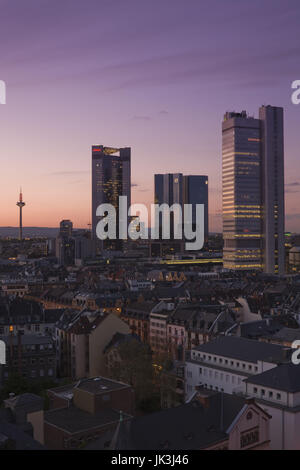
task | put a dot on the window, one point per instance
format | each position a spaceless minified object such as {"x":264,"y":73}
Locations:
{"x":255,"y":389}
{"x":263,"y":392}
{"x":278,"y":396}
{"x":270,"y":394}
{"x":249,"y":438}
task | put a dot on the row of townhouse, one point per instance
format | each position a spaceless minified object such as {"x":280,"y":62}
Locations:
{"x":254,"y":369}
{"x":19,"y":315}
{"x":170,"y":328}
{"x":31,"y":356}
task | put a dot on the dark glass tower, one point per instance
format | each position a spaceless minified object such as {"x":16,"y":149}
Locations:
{"x":111,"y":178}
{"x":175,"y":188}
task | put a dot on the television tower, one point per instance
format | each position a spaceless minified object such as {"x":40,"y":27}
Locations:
{"x":21,"y":204}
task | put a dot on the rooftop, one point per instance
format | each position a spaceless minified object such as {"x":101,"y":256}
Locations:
{"x":74,"y":419}
{"x":243,"y":349}
{"x":284,"y":377}
{"x":99,"y":385}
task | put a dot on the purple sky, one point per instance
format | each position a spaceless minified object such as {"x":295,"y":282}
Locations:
{"x":157,"y":76}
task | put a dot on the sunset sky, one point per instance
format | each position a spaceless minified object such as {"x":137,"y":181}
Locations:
{"x":153,"y":75}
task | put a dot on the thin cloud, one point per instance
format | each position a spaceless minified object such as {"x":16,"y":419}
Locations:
{"x":141,"y":118}
{"x":67,"y":173}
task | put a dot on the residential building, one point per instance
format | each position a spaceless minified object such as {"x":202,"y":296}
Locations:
{"x":80,"y":413}
{"x":31,"y":356}
{"x":228,"y":364}
{"x":81,"y":338}
{"x":210,"y":421}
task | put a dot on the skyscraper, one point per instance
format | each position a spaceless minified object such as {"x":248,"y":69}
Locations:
{"x":176,"y":188}
{"x":66,"y":228}
{"x":111,"y":178}
{"x":253,"y":195}
{"x":272,"y":154}
{"x":64,"y":244}
{"x":195,"y":191}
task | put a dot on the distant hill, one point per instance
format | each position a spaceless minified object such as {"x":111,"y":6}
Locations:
{"x":13,"y":232}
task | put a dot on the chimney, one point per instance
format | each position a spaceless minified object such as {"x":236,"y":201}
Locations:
{"x":202,"y":396}
{"x":286,"y":352}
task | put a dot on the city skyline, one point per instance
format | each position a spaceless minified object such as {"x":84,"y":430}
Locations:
{"x":68,"y":91}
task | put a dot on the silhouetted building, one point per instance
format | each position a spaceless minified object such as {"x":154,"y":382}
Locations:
{"x":111,"y":178}
{"x":176,"y":188}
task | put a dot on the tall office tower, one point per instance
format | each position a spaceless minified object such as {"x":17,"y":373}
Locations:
{"x":111,"y":178}
{"x":272,"y":148}
{"x":195,"y":191}
{"x":64,"y":244}
{"x":241,"y":191}
{"x":66,"y":228}
{"x":250,"y":195}
{"x":20,"y":204}
{"x":175,"y":188}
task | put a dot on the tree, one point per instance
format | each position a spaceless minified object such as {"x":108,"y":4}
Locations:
{"x":133,"y":365}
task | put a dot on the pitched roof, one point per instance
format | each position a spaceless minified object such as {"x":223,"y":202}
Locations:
{"x":285,"y":377}
{"x":242,"y":348}
{"x":22,"y":440}
{"x":189,"y":426}
{"x":287,"y":334}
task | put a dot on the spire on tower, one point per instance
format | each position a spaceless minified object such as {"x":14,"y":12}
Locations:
{"x":20,"y":204}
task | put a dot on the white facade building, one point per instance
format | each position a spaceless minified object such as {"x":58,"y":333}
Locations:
{"x":240,"y":366}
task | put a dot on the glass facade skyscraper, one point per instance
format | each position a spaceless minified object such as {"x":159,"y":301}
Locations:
{"x":251,"y":196}
{"x":111,"y":178}
{"x":176,"y":188}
